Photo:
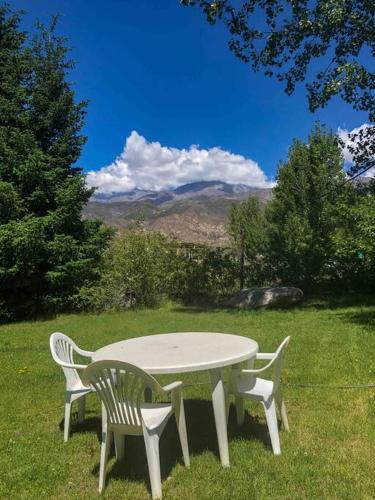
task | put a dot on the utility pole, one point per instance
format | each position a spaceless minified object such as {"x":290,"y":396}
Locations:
{"x":242,"y":259}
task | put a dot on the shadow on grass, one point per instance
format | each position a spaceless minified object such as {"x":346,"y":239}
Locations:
{"x":364,"y":318}
{"x":204,"y":308}
{"x":201,"y":436}
{"x":253,"y":429}
{"x":322,"y":301}
{"x":91,"y":425}
{"x":338,"y":300}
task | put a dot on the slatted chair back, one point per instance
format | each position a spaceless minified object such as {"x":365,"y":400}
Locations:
{"x":121,"y":387}
{"x":279,"y":357}
{"x":62,"y":350}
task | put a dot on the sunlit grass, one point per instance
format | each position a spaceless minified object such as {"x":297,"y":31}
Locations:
{"x":329,"y":452}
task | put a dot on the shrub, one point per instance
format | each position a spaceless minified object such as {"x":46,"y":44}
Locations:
{"x":209,"y":273}
{"x":138,"y":269}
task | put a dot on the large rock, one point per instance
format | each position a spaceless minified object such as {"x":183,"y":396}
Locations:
{"x":254,"y":298}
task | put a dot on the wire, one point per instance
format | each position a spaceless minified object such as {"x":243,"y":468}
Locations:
{"x":357,"y":175}
{"x":310,"y":386}
{"x":318,"y":386}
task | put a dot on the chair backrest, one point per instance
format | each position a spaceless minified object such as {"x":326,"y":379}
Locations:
{"x":121,"y":388}
{"x":62,"y":350}
{"x":279,"y":357}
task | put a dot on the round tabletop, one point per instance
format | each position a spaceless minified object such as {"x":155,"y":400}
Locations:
{"x":180,"y":352}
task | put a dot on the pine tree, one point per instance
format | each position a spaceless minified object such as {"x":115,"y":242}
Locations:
{"x":46,"y":250}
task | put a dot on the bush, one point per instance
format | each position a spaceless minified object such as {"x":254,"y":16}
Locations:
{"x":142,"y":268}
{"x":210,"y":274}
{"x":138,"y":269}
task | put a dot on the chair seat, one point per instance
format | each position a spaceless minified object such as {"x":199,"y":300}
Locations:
{"x":155,"y":414}
{"x":254,"y":387}
{"x":78,"y":387}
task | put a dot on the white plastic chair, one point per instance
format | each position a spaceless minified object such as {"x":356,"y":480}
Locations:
{"x":121,"y":387}
{"x":245,"y":383}
{"x":62,"y":350}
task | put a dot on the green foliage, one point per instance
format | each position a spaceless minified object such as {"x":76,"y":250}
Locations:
{"x":209,"y":274}
{"x":248,"y":228}
{"x":309,"y":187}
{"x":248,"y":219}
{"x":138,"y":269}
{"x":46,"y":250}
{"x":10,"y":203}
{"x":353,"y":257}
{"x":320,"y":42}
{"x":143,"y":268}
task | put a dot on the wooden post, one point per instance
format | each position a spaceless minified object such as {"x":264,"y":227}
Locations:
{"x":242,"y":259}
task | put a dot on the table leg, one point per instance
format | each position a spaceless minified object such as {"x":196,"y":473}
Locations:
{"x":250,"y":363}
{"x":219,"y":405}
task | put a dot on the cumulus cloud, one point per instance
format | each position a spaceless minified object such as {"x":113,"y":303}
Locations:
{"x":151,"y":166}
{"x":345,"y":136}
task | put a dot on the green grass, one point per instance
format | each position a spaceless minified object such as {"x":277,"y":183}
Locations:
{"x":329,"y":453}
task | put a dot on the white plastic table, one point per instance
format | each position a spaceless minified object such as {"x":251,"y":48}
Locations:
{"x":169,"y":353}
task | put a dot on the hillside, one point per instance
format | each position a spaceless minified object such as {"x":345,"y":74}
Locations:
{"x":194,"y":213}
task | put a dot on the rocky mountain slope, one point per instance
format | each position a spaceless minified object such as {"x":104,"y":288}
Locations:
{"x":194,"y":213}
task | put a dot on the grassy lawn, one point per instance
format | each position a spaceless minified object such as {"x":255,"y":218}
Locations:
{"x":329,"y":453}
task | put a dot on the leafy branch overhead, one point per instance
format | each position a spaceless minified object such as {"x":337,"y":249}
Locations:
{"x":329,"y":44}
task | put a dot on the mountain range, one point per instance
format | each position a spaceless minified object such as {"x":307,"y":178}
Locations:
{"x":194,"y":213}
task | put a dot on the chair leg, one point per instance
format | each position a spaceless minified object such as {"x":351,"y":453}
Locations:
{"x":106,"y":442}
{"x":81,"y":408}
{"x":240,"y":410}
{"x":271,"y":417}
{"x":153,"y":461}
{"x":179,"y":413}
{"x":148,"y":395}
{"x":68,"y":410}
{"x":282,"y":410}
{"x":227,"y":410}
{"x":104,"y":418}
{"x":119,"y":445}
{"x":227,"y":403}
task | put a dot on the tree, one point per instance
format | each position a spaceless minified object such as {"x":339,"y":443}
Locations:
{"x":292,"y":39}
{"x":248,"y":230}
{"x":309,"y":188}
{"x":46,"y":250}
{"x":138,"y":269}
{"x":352,"y":260}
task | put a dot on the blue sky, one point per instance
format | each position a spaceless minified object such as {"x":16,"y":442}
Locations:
{"x":159,"y":69}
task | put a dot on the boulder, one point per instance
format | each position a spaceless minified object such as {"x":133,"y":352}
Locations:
{"x":254,"y":298}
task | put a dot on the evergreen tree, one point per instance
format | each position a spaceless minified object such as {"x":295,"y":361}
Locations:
{"x":17,"y":145}
{"x":309,"y":187}
{"x":46,"y":250}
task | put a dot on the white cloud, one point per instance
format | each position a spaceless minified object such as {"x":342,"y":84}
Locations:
{"x":344,"y":135}
{"x":151,"y":166}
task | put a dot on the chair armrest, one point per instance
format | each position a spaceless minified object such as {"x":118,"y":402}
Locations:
{"x":72,"y":365}
{"x":172,"y":387}
{"x":264,"y":355}
{"x":254,"y":371}
{"x":82,"y":352}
